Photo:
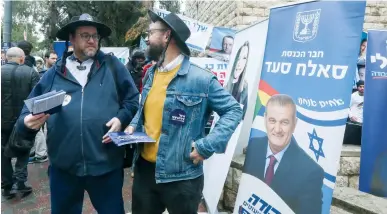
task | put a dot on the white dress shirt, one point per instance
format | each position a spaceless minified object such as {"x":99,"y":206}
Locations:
{"x":356,"y":106}
{"x":277,"y":156}
{"x":177,"y":61}
{"x":80,"y":75}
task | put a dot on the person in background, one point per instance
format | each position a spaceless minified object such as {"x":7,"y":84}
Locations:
{"x":27,"y":48}
{"x":17,"y":81}
{"x":353,"y":129}
{"x":135,"y":65}
{"x":39,"y":63}
{"x":50,"y":58}
{"x":357,"y":103}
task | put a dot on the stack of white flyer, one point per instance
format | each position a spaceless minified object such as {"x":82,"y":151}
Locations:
{"x":48,"y":103}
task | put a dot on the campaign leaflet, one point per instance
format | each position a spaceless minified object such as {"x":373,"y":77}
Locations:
{"x":122,"y":138}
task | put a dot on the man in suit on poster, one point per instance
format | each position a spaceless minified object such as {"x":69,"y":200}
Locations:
{"x":278,"y":161}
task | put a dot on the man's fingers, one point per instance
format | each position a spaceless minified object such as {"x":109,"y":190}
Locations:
{"x":110,"y":123}
{"x":129,"y":130}
{"x":36,"y":121}
{"x":106,"y":140}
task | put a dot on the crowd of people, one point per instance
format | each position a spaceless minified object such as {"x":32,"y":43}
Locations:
{"x":177,"y":99}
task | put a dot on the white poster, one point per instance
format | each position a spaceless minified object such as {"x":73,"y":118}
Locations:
{"x":200,"y":32}
{"x":244,"y":70}
{"x":219,"y":68}
{"x":122,"y":53}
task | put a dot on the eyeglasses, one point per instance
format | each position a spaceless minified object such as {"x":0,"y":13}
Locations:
{"x":149,"y":32}
{"x":86,"y":37}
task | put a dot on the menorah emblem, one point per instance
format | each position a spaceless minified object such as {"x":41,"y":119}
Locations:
{"x":306,"y":25}
{"x":306,"y":20}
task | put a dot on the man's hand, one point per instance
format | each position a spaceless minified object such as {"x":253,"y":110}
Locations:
{"x":35,"y":122}
{"x":353,"y":119}
{"x":195,"y":156}
{"x":130,"y":129}
{"x":115,"y":126}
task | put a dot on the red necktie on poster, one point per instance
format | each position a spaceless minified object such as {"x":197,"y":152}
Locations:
{"x":270,"y":170}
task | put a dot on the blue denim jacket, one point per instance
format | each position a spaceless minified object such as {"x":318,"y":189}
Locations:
{"x":197,"y":93}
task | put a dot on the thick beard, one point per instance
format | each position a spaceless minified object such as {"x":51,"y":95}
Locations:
{"x":154,"y":51}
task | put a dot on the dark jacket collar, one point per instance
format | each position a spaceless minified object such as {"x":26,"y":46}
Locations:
{"x":12,"y":63}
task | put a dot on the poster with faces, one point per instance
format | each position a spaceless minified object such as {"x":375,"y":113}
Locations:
{"x":244,"y":70}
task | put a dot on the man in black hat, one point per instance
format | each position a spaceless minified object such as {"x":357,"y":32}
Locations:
{"x":101,"y":97}
{"x":177,"y":100}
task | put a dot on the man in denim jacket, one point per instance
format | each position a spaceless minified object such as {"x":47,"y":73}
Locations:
{"x":177,"y":100}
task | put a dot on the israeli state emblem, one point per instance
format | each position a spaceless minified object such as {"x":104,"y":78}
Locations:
{"x":306,"y":25}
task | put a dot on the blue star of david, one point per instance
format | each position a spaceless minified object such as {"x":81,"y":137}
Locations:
{"x":319,"y":151}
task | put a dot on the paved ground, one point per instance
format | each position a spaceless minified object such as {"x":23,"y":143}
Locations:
{"x":39,"y":201}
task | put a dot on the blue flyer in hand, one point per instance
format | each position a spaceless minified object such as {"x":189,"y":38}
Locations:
{"x":122,"y":138}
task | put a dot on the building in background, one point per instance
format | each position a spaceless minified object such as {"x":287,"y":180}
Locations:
{"x":240,"y":14}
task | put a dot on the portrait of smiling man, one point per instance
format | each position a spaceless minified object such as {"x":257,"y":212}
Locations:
{"x":281,"y":163}
{"x":101,"y":97}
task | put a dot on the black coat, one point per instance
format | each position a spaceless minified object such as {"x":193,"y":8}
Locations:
{"x":25,"y":79}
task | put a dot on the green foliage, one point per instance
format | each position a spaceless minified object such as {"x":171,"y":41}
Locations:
{"x":25,"y":15}
{"x":118,"y":15}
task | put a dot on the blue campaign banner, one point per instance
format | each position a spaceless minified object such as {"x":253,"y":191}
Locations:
{"x":296,"y":139}
{"x":59,"y":47}
{"x":373,"y":165}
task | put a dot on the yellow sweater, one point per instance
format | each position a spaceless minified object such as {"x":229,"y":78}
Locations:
{"x":153,"y":111}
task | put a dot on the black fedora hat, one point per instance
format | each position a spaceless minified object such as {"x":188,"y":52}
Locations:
{"x":83,"y":20}
{"x":180,"y":31}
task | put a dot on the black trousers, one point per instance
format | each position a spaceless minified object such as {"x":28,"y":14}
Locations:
{"x":9,"y":176}
{"x":352,"y":134}
{"x":180,"y":197}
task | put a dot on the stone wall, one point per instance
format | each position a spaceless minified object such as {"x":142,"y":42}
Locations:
{"x":348,"y":175}
{"x":240,"y":14}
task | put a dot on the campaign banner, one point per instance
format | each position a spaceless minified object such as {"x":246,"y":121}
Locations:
{"x":222,"y":41}
{"x":219,"y":68}
{"x":200,"y":32}
{"x":243,"y":72}
{"x":296,"y":139}
{"x":4,"y":48}
{"x":373,"y":164}
{"x":122,"y":53}
{"x":60,"y":46}
{"x":143,"y":44}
